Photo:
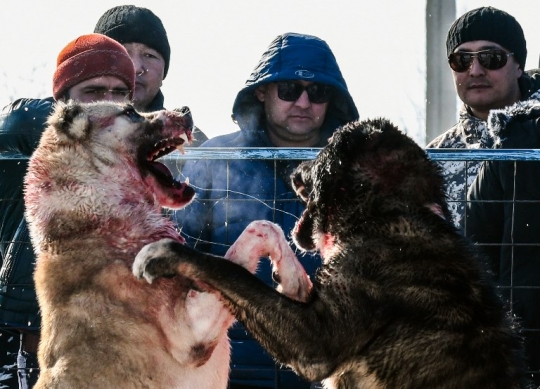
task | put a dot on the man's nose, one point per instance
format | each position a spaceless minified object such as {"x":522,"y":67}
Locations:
{"x":303,"y":100}
{"x":139,"y":68}
{"x":476,"y":68}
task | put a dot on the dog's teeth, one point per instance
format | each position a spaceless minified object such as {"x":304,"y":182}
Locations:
{"x":185,"y":138}
{"x":152,"y":156}
{"x":187,"y":181}
{"x":181,"y":148}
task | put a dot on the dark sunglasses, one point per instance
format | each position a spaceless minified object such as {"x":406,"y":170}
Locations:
{"x":490,"y":59}
{"x":291,"y":91}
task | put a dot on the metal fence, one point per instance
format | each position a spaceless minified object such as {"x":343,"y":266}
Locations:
{"x":274,"y":202}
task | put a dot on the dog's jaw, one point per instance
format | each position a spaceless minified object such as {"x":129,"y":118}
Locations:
{"x":303,"y":232}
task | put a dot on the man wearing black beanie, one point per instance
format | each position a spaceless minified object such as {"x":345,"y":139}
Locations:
{"x":143,"y":35}
{"x":487,"y":51}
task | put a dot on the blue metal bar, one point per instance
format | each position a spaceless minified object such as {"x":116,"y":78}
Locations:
{"x":229,"y":153}
{"x":310,"y":153}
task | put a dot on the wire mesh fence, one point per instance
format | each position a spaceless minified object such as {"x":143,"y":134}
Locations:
{"x":244,"y":184}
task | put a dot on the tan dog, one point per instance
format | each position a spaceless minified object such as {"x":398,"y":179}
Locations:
{"x":94,"y":195}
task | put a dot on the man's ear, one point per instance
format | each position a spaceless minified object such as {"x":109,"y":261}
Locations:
{"x":260,"y":92}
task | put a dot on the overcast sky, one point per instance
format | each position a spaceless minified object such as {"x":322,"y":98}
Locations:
{"x":379,"y":45}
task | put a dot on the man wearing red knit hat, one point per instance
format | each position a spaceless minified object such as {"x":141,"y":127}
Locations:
{"x":94,"y":67}
{"x":90,"y":68}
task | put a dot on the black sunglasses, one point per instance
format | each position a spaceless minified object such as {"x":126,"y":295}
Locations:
{"x":490,"y":59}
{"x":291,"y":91}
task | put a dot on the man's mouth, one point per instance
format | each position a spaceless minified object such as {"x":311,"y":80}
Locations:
{"x":300,"y":117}
{"x":479,"y":86}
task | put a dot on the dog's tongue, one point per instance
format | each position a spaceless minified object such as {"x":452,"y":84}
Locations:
{"x":162,"y":169}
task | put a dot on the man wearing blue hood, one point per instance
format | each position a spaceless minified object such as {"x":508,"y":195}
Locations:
{"x":295,"y":97}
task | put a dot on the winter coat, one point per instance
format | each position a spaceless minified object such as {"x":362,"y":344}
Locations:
{"x":231,"y":194}
{"x":472,"y":133}
{"x":21,"y":125}
{"x":512,"y":227}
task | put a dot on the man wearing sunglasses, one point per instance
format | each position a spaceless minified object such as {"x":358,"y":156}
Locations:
{"x":295,"y":97}
{"x":487,"y":52}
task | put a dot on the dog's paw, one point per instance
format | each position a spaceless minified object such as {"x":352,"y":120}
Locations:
{"x":154,"y":260}
{"x":260,"y":238}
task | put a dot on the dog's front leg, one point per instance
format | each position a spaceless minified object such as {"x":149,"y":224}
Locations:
{"x":262,"y":238}
{"x":287,"y":328}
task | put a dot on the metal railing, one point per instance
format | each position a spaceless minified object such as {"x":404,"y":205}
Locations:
{"x":176,"y":161}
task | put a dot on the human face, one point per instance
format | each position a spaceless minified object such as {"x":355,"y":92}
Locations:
{"x":291,"y":123}
{"x":100,"y":88}
{"x":482,"y":89}
{"x":149,"y":70}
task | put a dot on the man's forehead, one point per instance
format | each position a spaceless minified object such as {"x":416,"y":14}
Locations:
{"x":141,"y":47}
{"x":478,"y":45}
{"x":103,"y":82}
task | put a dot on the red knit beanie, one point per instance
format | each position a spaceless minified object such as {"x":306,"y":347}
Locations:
{"x":90,"y":56}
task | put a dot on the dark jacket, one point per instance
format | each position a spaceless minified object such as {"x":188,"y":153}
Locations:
{"x":232,"y":194}
{"x":21,"y":125}
{"x":472,"y":133}
{"x":510,"y":226}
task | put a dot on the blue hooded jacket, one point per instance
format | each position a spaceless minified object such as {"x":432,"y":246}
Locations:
{"x":231,"y":194}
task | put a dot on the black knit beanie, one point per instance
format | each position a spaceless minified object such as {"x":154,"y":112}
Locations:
{"x":131,"y":24}
{"x":488,"y":24}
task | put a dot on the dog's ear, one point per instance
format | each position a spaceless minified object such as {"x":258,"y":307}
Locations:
{"x":301,"y":180}
{"x":70,"y":120}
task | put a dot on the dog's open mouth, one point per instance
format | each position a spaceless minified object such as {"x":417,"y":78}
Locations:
{"x":160,"y":149}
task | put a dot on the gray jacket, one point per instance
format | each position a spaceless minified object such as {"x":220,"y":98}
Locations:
{"x":472,"y":133}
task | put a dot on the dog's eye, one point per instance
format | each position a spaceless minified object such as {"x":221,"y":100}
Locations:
{"x":132,"y":114}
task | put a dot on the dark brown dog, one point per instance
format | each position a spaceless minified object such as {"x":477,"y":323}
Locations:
{"x":400,"y":301}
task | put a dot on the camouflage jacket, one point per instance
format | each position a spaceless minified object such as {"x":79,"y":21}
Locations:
{"x":472,"y":133}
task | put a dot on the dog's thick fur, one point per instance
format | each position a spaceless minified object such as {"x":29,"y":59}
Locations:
{"x":94,"y":194}
{"x":400,"y":300}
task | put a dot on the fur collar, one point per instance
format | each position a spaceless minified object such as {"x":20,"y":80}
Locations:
{"x":499,"y":119}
